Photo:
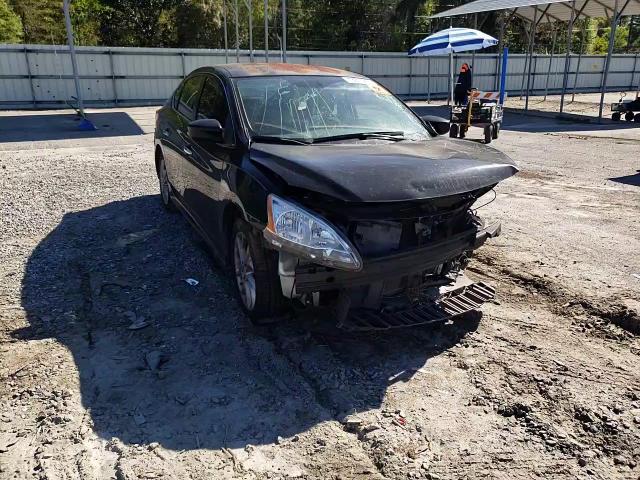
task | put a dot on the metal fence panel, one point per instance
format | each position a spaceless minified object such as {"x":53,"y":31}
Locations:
{"x":38,"y":76}
{"x":17,"y":90}
{"x":14,"y":63}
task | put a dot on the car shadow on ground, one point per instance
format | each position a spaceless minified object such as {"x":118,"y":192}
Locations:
{"x":198,"y":375}
{"x":32,"y":127}
{"x":633,"y":179}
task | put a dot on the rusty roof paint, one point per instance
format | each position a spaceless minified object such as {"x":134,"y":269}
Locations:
{"x":276,"y":69}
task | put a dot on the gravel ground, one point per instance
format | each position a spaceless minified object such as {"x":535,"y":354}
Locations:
{"x":587,"y":104}
{"x":545,"y":384}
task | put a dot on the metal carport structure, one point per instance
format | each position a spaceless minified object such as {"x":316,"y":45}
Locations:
{"x":549,"y":11}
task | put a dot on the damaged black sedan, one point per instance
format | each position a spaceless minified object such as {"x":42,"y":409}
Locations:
{"x":319,"y":188}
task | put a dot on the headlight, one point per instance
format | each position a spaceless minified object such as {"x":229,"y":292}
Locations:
{"x":298,"y":231}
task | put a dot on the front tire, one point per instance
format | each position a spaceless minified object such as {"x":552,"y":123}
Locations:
{"x":615,"y":116}
{"x":255,"y":272}
{"x":165,"y":186}
{"x":453,"y":130}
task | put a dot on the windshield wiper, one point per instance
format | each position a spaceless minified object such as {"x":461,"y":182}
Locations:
{"x":273,"y":139}
{"x":397,"y":136}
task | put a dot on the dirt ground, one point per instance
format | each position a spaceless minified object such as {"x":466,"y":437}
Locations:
{"x":545,"y":384}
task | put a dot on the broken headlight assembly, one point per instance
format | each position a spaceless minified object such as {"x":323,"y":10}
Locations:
{"x":298,"y":231}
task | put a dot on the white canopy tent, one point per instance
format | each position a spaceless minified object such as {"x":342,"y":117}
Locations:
{"x":549,"y":11}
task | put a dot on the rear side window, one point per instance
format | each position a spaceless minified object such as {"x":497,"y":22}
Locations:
{"x":176,"y":96}
{"x":189,"y":96}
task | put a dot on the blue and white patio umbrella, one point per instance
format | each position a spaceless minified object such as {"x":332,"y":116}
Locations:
{"x":446,"y":42}
{"x":453,"y":40}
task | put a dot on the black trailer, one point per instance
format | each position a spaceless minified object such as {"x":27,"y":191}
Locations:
{"x":626,"y":107}
{"x":479,"y":113}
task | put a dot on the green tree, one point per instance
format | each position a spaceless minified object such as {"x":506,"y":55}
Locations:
{"x":600,"y":42}
{"x":10,"y":24}
{"x":42,"y":20}
{"x":86,"y":16}
{"x":140,"y":23}
{"x":198,"y":24}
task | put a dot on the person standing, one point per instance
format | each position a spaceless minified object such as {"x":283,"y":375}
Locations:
{"x":463,"y":85}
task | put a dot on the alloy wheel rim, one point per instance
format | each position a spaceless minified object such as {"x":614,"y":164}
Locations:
{"x":245,"y":272}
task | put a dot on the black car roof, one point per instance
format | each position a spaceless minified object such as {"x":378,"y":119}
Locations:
{"x":237,"y":70}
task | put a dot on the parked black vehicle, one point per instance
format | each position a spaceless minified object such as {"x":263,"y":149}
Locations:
{"x":318,"y":187}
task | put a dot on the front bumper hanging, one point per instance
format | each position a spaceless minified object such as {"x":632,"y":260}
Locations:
{"x":451,"y":304}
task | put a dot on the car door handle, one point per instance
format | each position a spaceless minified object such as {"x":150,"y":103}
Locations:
{"x":187,"y":150}
{"x":166,"y":132}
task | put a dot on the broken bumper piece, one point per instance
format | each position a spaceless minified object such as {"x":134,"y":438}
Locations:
{"x":452,"y":304}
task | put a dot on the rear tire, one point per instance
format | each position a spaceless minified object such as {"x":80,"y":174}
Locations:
{"x":165,"y":186}
{"x":488,"y":134}
{"x":636,"y":118}
{"x":453,"y":130}
{"x":615,"y":116}
{"x":463,"y":131}
{"x":496,"y":130}
{"x":255,"y":271}
{"x":628,"y":116}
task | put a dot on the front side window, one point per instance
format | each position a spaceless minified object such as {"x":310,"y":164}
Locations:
{"x":213,"y":104}
{"x":312,"y":107}
{"x":189,"y":96}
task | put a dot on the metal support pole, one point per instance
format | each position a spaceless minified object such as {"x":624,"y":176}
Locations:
{"x":72,"y":52}
{"x":184,"y":65}
{"x":575,"y":77}
{"x":565,"y":76}
{"x":473,"y":53}
{"x":632,"y":85}
{"x":533,"y":43}
{"x":235,"y":13}
{"x":499,"y":55}
{"x":450,"y":99}
{"x":362,"y":64}
{"x":33,"y":90}
{"x":284,"y":31}
{"x":113,"y":78}
{"x":428,"y":79}
{"x":503,"y":74}
{"x":266,"y":31}
{"x":526,"y":65}
{"x":224,"y":23}
{"x":410,"y":75}
{"x":553,"y":48}
{"x":614,"y":24}
{"x":250,"y":7}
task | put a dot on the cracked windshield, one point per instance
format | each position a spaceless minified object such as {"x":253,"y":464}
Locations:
{"x":312,"y":108}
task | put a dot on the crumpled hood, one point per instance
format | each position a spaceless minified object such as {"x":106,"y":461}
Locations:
{"x":374,"y":171}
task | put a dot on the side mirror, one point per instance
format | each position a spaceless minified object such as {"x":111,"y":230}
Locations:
{"x":206,"y":129}
{"x":440,"y":125}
